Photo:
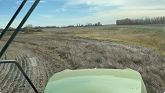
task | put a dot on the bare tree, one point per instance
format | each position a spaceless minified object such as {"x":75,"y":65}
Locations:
{"x":147,"y":20}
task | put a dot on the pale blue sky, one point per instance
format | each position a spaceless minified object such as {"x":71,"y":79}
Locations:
{"x":71,"y":12}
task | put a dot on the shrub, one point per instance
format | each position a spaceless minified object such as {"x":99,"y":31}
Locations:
{"x":39,"y":30}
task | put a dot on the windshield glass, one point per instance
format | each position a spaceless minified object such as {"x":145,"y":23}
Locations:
{"x":83,"y":34}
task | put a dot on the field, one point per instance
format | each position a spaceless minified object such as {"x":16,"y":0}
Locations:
{"x":112,"y":47}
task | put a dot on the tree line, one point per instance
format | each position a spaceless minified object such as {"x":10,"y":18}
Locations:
{"x":142,"y":21}
{"x":27,"y":29}
{"x":31,"y":28}
{"x":78,"y":25}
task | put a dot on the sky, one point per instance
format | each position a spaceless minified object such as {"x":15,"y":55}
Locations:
{"x":72,"y":12}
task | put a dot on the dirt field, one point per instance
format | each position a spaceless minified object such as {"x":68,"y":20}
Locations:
{"x":41,"y":56}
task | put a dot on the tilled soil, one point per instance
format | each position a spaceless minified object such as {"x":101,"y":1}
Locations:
{"x":38,"y":69}
{"x":42,"y":56}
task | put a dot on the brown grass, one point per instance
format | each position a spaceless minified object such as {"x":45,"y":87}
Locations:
{"x":68,"y":49}
{"x":153,"y":38}
{"x":79,"y":53}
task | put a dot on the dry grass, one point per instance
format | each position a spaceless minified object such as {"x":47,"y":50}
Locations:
{"x":150,"y":64}
{"x":81,"y":53}
{"x":153,"y":38}
{"x":100,"y":49}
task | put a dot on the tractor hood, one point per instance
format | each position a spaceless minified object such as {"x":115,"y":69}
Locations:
{"x":96,"y":81}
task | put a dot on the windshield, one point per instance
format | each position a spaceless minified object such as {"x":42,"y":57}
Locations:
{"x":83,"y":34}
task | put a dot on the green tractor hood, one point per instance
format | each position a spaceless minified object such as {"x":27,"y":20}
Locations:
{"x":96,"y":81}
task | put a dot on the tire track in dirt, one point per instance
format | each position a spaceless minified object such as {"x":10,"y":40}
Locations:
{"x":34,"y":65}
{"x":19,"y":74}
